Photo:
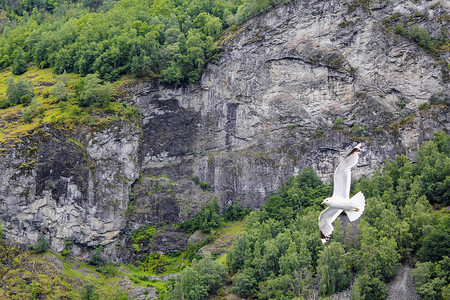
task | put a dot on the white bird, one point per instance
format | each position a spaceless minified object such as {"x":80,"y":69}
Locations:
{"x":341,"y":200}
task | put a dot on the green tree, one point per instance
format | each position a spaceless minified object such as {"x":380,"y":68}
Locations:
{"x":94,"y":92}
{"x":19,"y":65}
{"x":368,"y":288}
{"x":436,"y":245}
{"x":60,"y":92}
{"x":245,"y":283}
{"x":207,"y":219}
{"x":16,"y":90}
{"x":338,"y":124}
{"x":199,"y":280}
{"x":332,"y":269}
{"x":42,"y":244}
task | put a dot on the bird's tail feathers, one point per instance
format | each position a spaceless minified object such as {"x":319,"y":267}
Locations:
{"x":359,"y":203}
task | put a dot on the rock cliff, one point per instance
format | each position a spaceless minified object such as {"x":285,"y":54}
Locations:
{"x":269,"y":107}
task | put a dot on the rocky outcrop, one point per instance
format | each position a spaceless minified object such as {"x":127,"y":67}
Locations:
{"x":266,"y":109}
{"x":261,"y":113}
{"x":69,"y":185}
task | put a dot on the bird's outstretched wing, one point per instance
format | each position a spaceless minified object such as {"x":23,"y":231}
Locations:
{"x":326,"y":219}
{"x":342,"y":174}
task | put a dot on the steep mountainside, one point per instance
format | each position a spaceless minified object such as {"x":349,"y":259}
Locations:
{"x":270,"y":106}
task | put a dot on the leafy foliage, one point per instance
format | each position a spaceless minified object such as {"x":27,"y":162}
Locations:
{"x":302,"y":191}
{"x":281,"y":241}
{"x":94,"y":92}
{"x":204,"y":277}
{"x":436,"y":245}
{"x":19,"y":92}
{"x":88,"y":292}
{"x":235,"y":212}
{"x":207,"y":219}
{"x":42,"y":244}
{"x":170,"y":39}
{"x":333,"y":270}
{"x":432,"y":279}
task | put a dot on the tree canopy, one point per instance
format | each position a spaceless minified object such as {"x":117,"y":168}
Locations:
{"x":172,"y":40}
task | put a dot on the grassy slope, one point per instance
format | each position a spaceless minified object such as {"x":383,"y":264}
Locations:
{"x":66,"y":114}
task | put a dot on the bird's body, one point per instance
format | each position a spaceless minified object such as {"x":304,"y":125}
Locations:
{"x":341,"y":201}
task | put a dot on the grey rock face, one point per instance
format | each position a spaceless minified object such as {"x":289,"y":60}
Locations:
{"x":69,"y":186}
{"x":266,"y":109}
{"x":261,"y":113}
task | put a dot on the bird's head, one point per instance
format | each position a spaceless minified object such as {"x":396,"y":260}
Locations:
{"x":326,"y":201}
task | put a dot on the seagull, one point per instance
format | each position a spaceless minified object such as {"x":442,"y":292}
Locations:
{"x":341,"y":200}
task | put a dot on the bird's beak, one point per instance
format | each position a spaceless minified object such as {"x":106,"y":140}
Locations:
{"x":323,"y":202}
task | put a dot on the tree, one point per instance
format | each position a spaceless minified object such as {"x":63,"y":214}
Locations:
{"x":368,"y":288}
{"x":199,"y":280}
{"x":94,"y":92}
{"x":436,"y":245}
{"x":141,"y":66}
{"x":16,"y":90}
{"x":245,"y":283}
{"x":19,"y":65}
{"x":42,"y":244}
{"x":332,"y":269}
{"x":60,"y":91}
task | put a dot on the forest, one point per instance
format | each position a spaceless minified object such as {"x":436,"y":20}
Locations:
{"x":168,"y":39}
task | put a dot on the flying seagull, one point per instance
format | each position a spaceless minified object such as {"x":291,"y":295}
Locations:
{"x":341,"y":200}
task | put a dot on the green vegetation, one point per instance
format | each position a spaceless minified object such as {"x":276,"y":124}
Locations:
{"x":338,"y":124}
{"x":19,"y":92}
{"x":204,"y":277}
{"x":31,"y":275}
{"x":207,"y":219}
{"x":279,"y":251}
{"x":172,"y":40}
{"x":38,"y":97}
{"x":420,"y":36}
{"x":42,"y":244}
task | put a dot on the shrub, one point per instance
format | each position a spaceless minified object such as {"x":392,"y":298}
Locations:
{"x":196,"y":180}
{"x":26,"y":99}
{"x":359,"y":130}
{"x":88,"y":292}
{"x":42,"y":244}
{"x":205,"y":186}
{"x":204,"y":277}
{"x":67,"y":246}
{"x":96,"y":259}
{"x":338,"y":124}
{"x":94,"y":92}
{"x":421,"y":37}
{"x":235,"y":212}
{"x":424,"y":105}
{"x":4,"y":103}
{"x":207,"y":219}
{"x":16,"y":90}
{"x":400,"y":29}
{"x":245,"y":283}
{"x":30,"y":111}
{"x":60,"y":91}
